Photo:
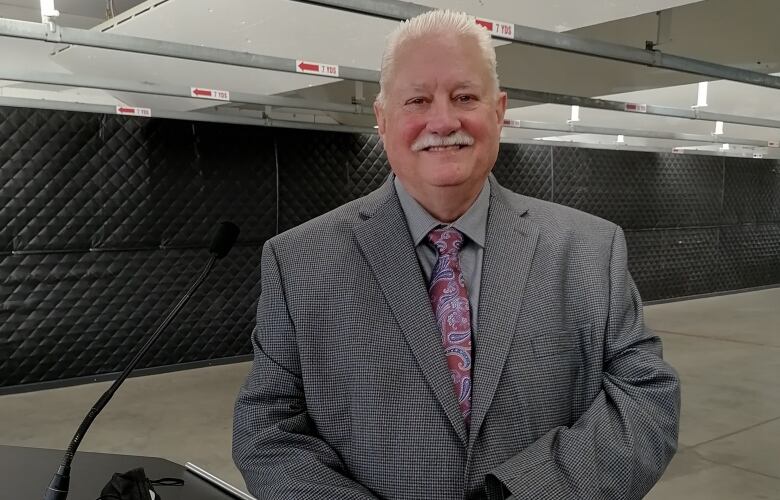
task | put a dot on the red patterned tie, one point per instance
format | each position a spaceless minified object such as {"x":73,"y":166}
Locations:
{"x":450,"y":303}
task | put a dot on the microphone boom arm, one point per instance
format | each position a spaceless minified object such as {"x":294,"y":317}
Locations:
{"x":60,"y":483}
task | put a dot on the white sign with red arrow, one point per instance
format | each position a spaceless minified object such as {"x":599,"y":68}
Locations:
{"x":132,"y":111}
{"x":315,"y":68}
{"x":220,"y":95}
{"x":497,"y":28}
{"x":633,"y":107}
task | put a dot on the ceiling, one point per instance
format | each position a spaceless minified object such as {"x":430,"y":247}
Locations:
{"x":732,"y":32}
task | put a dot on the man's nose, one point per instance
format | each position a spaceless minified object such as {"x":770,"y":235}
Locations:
{"x":443,"y":119}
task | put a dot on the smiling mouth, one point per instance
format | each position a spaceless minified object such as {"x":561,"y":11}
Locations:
{"x":435,"y":149}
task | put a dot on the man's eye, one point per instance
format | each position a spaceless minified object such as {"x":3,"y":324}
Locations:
{"x":416,"y":100}
{"x":465,"y":98}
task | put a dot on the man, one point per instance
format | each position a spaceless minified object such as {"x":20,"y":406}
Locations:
{"x":442,"y":337}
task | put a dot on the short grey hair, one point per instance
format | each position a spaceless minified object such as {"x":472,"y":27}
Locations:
{"x":436,"y":22}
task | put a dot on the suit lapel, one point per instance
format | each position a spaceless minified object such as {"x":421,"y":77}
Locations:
{"x":509,"y":246}
{"x":386,"y":244}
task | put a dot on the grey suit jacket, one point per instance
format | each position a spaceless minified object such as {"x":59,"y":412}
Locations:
{"x":349,"y":396}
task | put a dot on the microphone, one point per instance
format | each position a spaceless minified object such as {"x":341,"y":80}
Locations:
{"x":226,"y":235}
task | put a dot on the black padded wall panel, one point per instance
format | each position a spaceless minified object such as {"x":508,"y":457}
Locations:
{"x":109,"y":220}
{"x":752,"y":191}
{"x":675,"y":262}
{"x":51,"y":173}
{"x":188,"y":178}
{"x":321,"y":171}
{"x":750,"y":255}
{"x":370,"y":167}
{"x":526,"y":169}
{"x":640,"y":190}
{"x":76,"y":314}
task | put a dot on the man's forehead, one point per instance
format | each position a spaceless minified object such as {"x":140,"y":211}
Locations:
{"x":422,"y":85}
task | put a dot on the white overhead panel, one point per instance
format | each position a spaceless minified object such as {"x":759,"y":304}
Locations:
{"x":272,"y":27}
{"x":284,"y":28}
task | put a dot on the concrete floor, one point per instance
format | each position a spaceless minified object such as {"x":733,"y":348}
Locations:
{"x":726,"y":349}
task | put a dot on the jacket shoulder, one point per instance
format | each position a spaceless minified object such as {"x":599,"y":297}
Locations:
{"x":328,"y":228}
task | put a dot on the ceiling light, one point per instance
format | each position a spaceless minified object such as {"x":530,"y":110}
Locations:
{"x":718,"y":128}
{"x":621,"y":139}
{"x":48,"y":10}
{"x":575,"y":114}
{"x":701,"y":101}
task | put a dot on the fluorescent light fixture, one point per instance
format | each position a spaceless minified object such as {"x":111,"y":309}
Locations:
{"x":718,"y":128}
{"x":48,"y":10}
{"x":621,"y":139}
{"x":701,"y":101}
{"x":575,"y":114}
{"x":725,"y":147}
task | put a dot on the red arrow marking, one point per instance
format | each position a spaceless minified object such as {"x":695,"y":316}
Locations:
{"x":201,"y":92}
{"x":309,"y":67}
{"x":126,"y":110}
{"x":485,"y":24}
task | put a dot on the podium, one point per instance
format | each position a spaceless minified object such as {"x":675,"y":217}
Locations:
{"x":26,"y":472}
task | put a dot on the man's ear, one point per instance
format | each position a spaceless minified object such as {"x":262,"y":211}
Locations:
{"x":501,"y":101}
{"x":379,"y":113}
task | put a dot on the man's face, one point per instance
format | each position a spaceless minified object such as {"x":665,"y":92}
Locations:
{"x":440,"y":90}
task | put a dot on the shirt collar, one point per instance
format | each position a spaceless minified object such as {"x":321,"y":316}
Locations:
{"x":473,"y":223}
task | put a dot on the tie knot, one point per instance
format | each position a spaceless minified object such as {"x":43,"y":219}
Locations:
{"x":447,"y":241}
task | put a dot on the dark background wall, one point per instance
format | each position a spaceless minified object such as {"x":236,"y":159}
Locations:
{"x":104,"y":221}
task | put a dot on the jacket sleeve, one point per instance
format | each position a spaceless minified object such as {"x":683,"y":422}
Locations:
{"x":275,"y":443}
{"x":623,"y":442}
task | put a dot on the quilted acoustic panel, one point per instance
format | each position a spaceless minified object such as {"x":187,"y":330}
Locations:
{"x":74,"y":314}
{"x":317,"y":170}
{"x":640,"y":190}
{"x":152,"y":188}
{"x":674,"y":262}
{"x":525,"y":169}
{"x":51,"y":196}
{"x":752,"y":191}
{"x":9,"y":147}
{"x":185,"y":181}
{"x":370,"y":167}
{"x":750,"y":255}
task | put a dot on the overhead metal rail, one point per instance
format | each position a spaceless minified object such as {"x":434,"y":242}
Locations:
{"x":649,"y":134}
{"x":215,"y":117}
{"x":269,"y":122}
{"x":399,"y":11}
{"x":36,"y":31}
{"x":731,"y":153}
{"x":272,"y":122}
{"x":304,"y":104}
{"x":179,"y":91}
{"x":692,"y":113}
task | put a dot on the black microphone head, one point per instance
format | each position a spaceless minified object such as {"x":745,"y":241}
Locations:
{"x":224,"y":239}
